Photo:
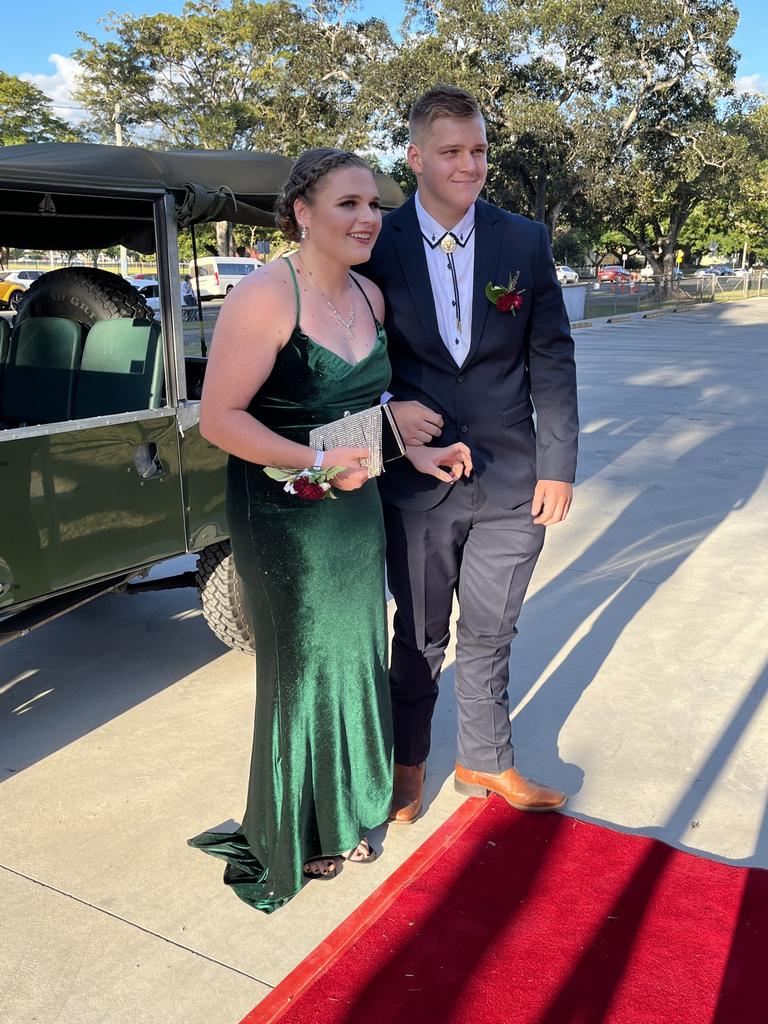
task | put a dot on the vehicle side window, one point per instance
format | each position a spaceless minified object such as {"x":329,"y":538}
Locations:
{"x":235,"y":269}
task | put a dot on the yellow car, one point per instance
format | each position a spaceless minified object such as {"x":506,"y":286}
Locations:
{"x":13,"y":284}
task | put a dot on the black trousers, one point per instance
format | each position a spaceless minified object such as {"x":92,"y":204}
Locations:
{"x":486,"y":555}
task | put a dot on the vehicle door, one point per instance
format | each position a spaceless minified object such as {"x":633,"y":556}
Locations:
{"x":92,"y":494}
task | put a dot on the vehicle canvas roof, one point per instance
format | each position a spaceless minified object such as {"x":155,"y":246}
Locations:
{"x":239,"y":186}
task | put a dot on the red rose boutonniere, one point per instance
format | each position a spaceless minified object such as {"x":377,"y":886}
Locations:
{"x":506,"y":300}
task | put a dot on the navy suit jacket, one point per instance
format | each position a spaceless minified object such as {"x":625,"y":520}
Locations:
{"x":515,"y":364}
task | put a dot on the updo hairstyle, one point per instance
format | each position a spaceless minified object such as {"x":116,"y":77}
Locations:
{"x":309,"y":168}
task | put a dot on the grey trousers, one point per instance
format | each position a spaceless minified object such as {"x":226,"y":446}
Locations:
{"x":487,"y":555}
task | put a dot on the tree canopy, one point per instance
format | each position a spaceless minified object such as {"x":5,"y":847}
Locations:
{"x":609,"y":116}
{"x":26,"y":115}
{"x":230,"y":75}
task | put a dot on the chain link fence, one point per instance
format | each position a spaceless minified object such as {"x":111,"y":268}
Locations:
{"x":592,"y":299}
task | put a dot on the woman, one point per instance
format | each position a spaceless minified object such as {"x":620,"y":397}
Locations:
{"x":296,"y":345}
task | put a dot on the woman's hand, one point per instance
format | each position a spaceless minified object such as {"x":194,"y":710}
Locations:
{"x":456,"y":458}
{"x":354,"y":475}
{"x":416,"y":422}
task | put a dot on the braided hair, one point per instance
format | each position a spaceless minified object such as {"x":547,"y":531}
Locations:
{"x":309,"y":168}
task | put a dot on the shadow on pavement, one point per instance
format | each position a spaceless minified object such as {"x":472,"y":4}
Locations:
{"x":73,"y":675}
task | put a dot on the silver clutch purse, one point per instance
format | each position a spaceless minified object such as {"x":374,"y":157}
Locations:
{"x":375,"y":429}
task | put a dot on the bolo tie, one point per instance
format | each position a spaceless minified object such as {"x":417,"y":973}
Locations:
{"x":448,"y":244}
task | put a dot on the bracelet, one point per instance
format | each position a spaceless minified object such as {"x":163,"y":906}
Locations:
{"x":318,"y":463}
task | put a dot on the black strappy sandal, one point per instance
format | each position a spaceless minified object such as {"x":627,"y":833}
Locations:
{"x":368,"y":859}
{"x":321,"y":876}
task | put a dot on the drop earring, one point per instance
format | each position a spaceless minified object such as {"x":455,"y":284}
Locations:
{"x":303,"y":232}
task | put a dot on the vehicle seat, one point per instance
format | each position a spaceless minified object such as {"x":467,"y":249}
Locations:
{"x":5,"y":341}
{"x":121,"y":369}
{"x":38,"y":384}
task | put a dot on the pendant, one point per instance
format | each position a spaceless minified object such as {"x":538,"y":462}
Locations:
{"x":448,"y":244}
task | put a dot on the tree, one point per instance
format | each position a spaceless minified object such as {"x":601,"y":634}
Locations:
{"x":710,"y":233}
{"x":26,"y":115}
{"x":565,"y":87}
{"x":232,"y":74}
{"x":673,"y":168}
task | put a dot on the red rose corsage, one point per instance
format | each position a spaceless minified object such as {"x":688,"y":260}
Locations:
{"x":310,"y":484}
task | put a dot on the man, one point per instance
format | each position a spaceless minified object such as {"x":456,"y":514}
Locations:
{"x":482,"y":365}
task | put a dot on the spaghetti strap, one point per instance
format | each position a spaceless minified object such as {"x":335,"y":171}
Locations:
{"x":367,"y":300}
{"x":296,"y":290}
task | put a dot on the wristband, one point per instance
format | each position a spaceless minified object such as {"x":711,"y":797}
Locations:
{"x":318,"y":463}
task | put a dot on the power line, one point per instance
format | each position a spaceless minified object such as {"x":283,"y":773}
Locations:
{"x":66,"y":106}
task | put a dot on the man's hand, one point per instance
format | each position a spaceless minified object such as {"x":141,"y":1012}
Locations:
{"x":456,"y":457}
{"x":416,"y":422}
{"x":551,"y":501}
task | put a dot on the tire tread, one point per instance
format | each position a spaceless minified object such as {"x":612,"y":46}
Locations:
{"x":222,"y":597}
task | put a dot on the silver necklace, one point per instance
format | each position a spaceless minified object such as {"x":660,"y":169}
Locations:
{"x":349,"y":324}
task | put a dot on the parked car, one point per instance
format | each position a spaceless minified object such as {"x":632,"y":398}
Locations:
{"x":22,"y":276}
{"x":716,"y":270}
{"x":218,"y":275}
{"x":647,"y":272}
{"x":613,"y":273}
{"x":149,"y":287}
{"x":13,"y":285}
{"x":565,"y":275}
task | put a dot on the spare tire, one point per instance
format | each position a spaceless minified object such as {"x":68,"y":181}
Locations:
{"x":222,"y":598}
{"x":84,"y":294}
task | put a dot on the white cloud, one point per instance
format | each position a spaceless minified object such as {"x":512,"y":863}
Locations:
{"x":59,"y":86}
{"x":751,"y":84}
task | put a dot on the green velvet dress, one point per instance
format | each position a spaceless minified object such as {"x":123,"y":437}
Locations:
{"x":313,"y":574}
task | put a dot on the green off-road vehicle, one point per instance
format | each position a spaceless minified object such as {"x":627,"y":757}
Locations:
{"x":103,"y":471}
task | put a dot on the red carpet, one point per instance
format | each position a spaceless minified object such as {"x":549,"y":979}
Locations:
{"x":541,"y":919}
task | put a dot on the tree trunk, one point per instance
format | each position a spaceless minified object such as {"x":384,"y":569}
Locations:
{"x":540,"y":205}
{"x":224,"y":238}
{"x":553,"y":218}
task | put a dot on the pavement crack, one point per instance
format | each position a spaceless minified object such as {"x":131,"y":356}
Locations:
{"x":133,"y":924}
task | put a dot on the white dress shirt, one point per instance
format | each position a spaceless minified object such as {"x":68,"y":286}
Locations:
{"x":456,"y":340}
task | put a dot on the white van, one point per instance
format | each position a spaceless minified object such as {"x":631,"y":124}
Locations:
{"x":218,"y":275}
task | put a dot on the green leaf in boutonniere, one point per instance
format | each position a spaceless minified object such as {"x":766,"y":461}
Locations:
{"x":506,"y":300}
{"x":494,"y":291}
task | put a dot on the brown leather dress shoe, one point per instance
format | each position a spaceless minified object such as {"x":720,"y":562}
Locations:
{"x":407,"y":792}
{"x":519,"y":792}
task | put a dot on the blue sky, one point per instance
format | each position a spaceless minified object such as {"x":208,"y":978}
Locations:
{"x":41,"y":52}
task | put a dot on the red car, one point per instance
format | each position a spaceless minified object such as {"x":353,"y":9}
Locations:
{"x":613,"y":274}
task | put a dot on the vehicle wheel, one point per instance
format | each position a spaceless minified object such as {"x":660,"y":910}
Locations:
{"x":14,"y":301}
{"x":83,"y":294}
{"x":221,"y":594}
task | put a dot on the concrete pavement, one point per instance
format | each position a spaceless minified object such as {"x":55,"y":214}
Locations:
{"x":638,"y":684}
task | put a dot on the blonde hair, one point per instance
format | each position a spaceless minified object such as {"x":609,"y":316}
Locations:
{"x":441,"y":101}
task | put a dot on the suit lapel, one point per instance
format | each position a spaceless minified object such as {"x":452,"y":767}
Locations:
{"x":487,"y":254}
{"x":409,"y":246}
